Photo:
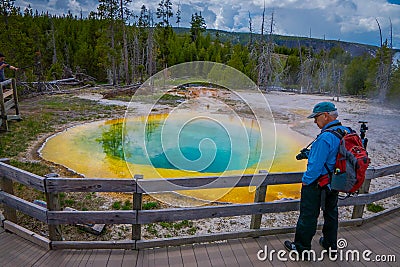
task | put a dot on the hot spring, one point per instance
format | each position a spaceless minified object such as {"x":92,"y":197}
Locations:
{"x":173,"y":148}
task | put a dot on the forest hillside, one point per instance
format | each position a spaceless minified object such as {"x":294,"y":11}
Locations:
{"x":110,"y":47}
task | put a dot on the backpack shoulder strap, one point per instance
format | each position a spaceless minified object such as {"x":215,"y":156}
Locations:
{"x":329,"y":172}
{"x":339,"y":133}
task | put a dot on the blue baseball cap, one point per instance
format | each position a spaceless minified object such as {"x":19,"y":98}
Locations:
{"x":322,"y":107}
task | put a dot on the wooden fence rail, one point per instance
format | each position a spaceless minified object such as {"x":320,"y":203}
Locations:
{"x":53,"y":216}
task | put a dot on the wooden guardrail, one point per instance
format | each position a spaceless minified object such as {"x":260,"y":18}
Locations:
{"x":53,"y":216}
{"x":8,"y":100}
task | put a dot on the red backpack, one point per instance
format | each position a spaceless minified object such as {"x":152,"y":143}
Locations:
{"x":352,"y":162}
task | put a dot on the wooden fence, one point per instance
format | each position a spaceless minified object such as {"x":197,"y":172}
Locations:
{"x":8,"y":100}
{"x":53,"y":216}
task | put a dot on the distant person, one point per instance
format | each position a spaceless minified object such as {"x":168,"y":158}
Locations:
{"x":321,"y":158}
{"x":4,"y":65}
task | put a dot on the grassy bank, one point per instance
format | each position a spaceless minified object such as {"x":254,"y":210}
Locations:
{"x":44,"y":115}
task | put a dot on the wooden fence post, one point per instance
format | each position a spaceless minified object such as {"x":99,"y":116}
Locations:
{"x":137,"y":205}
{"x":15,"y":96}
{"x":4,"y":126}
{"x":359,"y":210}
{"x":7,"y":186}
{"x":260,"y":195}
{"x":53,"y":204}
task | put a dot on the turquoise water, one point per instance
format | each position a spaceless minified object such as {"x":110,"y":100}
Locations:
{"x":201,"y":145}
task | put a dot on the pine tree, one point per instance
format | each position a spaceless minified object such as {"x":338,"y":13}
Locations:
{"x":111,"y":10}
{"x":197,"y":26}
{"x":164,"y":30}
{"x":164,"y":12}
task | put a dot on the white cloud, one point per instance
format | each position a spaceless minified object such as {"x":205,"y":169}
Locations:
{"x":74,"y":5}
{"x":52,"y":3}
{"x":219,"y":18}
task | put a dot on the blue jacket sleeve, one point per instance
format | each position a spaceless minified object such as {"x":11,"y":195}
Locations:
{"x":323,"y":151}
{"x":318,"y":156}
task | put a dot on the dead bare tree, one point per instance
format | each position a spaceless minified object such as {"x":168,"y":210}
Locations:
{"x":53,"y":42}
{"x":251,"y":30}
{"x":384,"y":67}
{"x":336,"y":78}
{"x":151,"y":62}
{"x":301,"y":72}
{"x":308,"y":74}
{"x":270,"y":52}
{"x":263,"y":21}
{"x":265,"y":55}
{"x":135,"y":54}
{"x":261,"y":55}
{"x":280,"y":71}
{"x":309,"y":67}
{"x":322,"y":76}
{"x":339,"y":85}
{"x":125,"y":45}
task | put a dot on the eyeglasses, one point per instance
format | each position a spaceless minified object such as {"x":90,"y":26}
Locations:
{"x":319,"y":114}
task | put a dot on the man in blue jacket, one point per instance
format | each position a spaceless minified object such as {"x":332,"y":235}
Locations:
{"x":322,"y":156}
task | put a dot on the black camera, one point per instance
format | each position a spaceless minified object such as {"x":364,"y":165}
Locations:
{"x":303,"y":154}
{"x":363,"y":130}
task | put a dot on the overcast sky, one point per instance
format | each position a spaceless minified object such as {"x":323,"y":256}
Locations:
{"x":345,"y":20}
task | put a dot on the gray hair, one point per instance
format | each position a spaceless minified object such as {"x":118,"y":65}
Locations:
{"x":334,"y":113}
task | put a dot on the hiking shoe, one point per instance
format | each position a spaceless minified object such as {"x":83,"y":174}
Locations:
{"x":289,"y":245}
{"x":321,"y":243}
{"x":332,"y":253}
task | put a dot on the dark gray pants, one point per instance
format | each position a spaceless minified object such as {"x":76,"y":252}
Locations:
{"x":310,"y":205}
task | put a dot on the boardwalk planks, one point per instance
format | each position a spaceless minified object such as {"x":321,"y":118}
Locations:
{"x":15,"y":251}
